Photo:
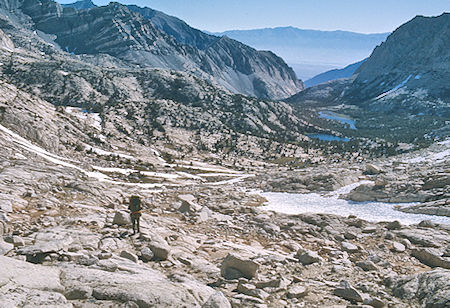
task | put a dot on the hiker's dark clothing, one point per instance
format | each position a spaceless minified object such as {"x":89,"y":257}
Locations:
{"x":135,"y":212}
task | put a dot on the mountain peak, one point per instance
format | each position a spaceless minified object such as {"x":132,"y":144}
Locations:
{"x":81,"y":5}
{"x":145,"y":37}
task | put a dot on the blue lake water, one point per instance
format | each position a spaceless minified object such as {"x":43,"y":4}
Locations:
{"x":336,"y":117}
{"x":325,"y":137}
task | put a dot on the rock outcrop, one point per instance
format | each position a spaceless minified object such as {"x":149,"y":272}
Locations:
{"x":431,"y":288}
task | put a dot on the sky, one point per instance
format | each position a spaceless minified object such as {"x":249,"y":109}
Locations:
{"x":364,"y":16}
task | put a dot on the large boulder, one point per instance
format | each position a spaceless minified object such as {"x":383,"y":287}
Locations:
{"x":372,"y":169}
{"x":349,"y":247}
{"x":122,"y":218}
{"x":431,"y":289}
{"x":307,"y":257}
{"x":431,"y":257}
{"x":188,"y":204}
{"x":37,"y":253}
{"x":297,"y":291}
{"x":234,"y":267}
{"x":160,"y":249}
{"x":5,"y":247}
{"x":35,"y":285}
{"x":425,"y":238}
{"x":5,"y":203}
{"x":217,"y":300}
{"x":346,"y":291}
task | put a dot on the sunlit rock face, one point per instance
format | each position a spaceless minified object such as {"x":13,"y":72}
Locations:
{"x":118,"y":31}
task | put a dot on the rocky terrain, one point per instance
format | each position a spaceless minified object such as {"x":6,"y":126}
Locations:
{"x":81,"y":133}
{"x":140,"y":39}
{"x":203,"y":243}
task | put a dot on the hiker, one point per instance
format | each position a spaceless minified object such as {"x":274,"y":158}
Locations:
{"x":135,"y":212}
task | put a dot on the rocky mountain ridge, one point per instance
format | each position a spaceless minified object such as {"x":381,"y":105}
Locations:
{"x":310,"y":52}
{"x":331,"y":75}
{"x":413,"y":62}
{"x":118,"y":31}
{"x":400,"y":94}
{"x":81,"y":5}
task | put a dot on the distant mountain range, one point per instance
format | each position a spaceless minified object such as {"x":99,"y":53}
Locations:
{"x":310,"y":52}
{"x":345,"y":72}
{"x":145,"y":37}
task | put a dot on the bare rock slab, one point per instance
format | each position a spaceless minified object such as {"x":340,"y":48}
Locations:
{"x":432,"y":288}
{"x":35,"y":285}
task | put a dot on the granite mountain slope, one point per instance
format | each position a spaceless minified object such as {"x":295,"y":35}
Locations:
{"x":118,"y":31}
{"x":145,"y":104}
{"x":400,"y":94}
{"x":409,"y":72}
{"x":81,"y":5}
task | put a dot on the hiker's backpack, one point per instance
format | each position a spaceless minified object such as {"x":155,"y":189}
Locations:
{"x":135,"y":204}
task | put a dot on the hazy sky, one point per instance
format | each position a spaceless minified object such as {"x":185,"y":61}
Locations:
{"x":366,"y":16}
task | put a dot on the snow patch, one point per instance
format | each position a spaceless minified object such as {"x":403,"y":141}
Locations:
{"x":90,"y":118}
{"x":331,"y":204}
{"x":232,"y":181}
{"x":27,"y":145}
{"x":433,"y":158}
{"x":19,"y":156}
{"x":107,"y":153}
{"x":395,"y":88}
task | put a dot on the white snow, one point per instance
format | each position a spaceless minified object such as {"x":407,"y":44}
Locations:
{"x":160,"y":175}
{"x":331,"y":204}
{"x":432,"y":158}
{"x":27,"y":145}
{"x":418,"y":76}
{"x":114,"y":170}
{"x":395,"y":88}
{"x":219,"y":174}
{"x":232,"y":181}
{"x":89,"y":118}
{"x":101,"y":176}
{"x":190,"y":176}
{"x":107,"y":153}
{"x":445,"y":142}
{"x":19,"y":156}
{"x":197,"y":166}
